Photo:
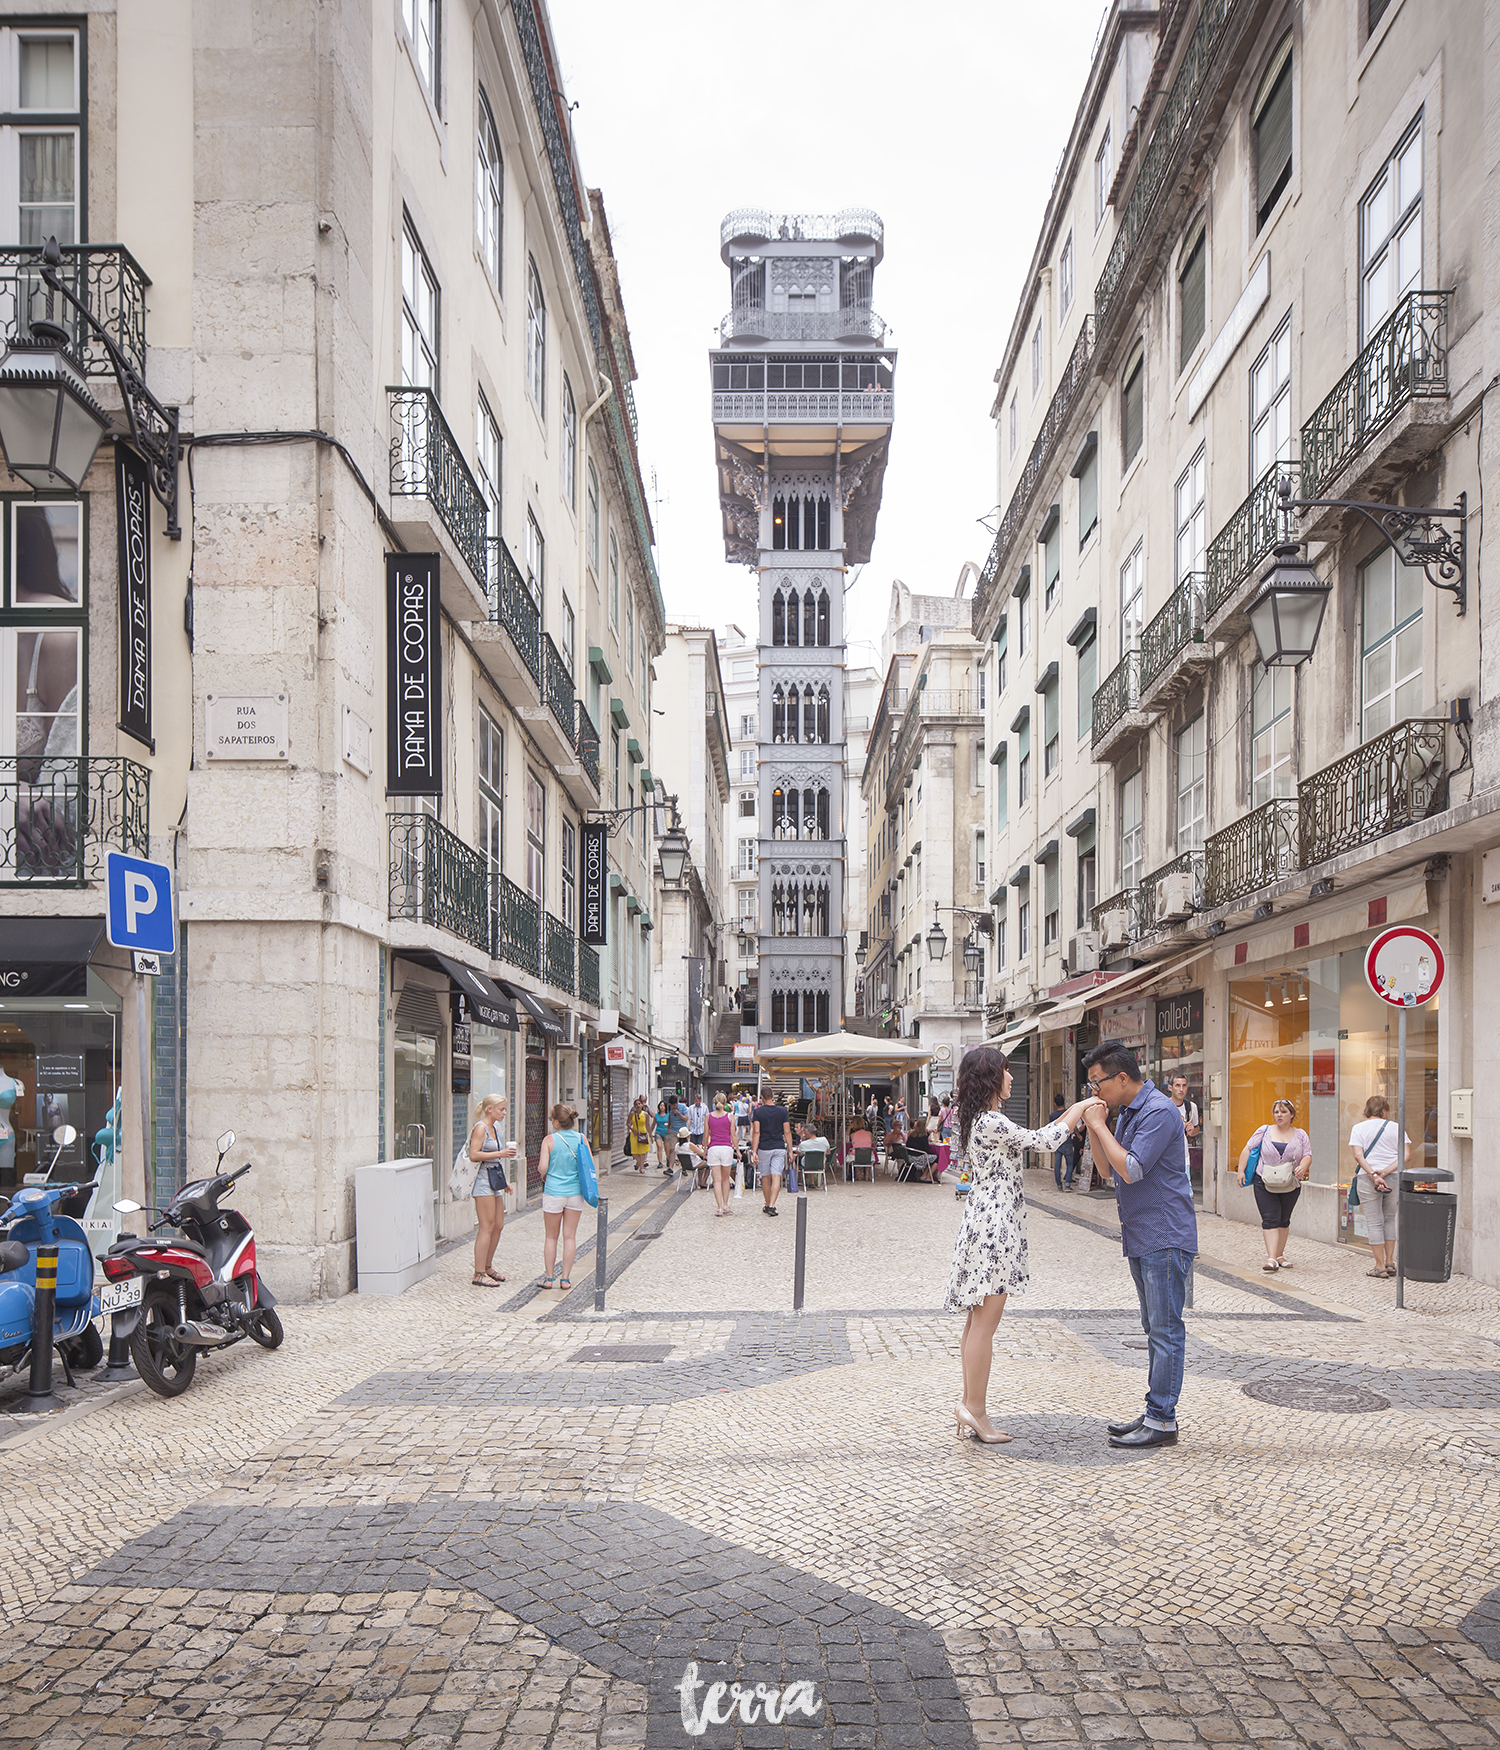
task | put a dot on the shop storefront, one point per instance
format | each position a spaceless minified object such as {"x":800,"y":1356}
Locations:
{"x":1177,"y":1050}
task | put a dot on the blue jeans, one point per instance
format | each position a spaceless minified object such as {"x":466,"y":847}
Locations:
{"x":1068,"y":1154}
{"x":1161,"y":1280}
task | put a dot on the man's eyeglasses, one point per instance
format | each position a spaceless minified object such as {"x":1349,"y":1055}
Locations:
{"x":1094,"y":1086}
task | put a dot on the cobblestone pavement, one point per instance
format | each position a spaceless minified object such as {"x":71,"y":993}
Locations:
{"x":466,"y":1518}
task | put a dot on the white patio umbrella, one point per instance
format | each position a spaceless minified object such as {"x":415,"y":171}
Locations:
{"x":841,"y":1053}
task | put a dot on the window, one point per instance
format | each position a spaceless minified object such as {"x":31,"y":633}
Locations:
{"x":1191,"y":517}
{"x":536,"y":560}
{"x":421,"y":20}
{"x":1104,"y":172}
{"x":1065,"y":279}
{"x":1375,"y":11}
{"x":1390,"y":233}
{"x":1000,"y":942}
{"x":1023,"y":928}
{"x":1088,"y":680}
{"x":1271,"y":403}
{"x":615,"y":743}
{"x":1192,"y":771}
{"x":979,"y":860}
{"x":570,"y":639}
{"x":1023,"y":764}
{"x":1271,"y":125}
{"x":1051,"y":903}
{"x":1002,"y":796}
{"x":1132,"y":609}
{"x":419,"y":315}
{"x":614,"y":581}
{"x":1192,"y":296}
{"x":1051,"y":739}
{"x":747,"y":805}
{"x":745,"y":864}
{"x":1051,"y":560}
{"x":488,"y":446}
{"x":1271,"y":772}
{"x":1391,"y":672}
{"x":982,"y":676}
{"x":1015,"y":421}
{"x":1133,"y":406}
{"x":536,"y":338}
{"x":976,"y":774}
{"x":629,"y":629}
{"x":491,"y":795}
{"x":747,"y":762}
{"x":1022,"y":612}
{"x":748,"y":905}
{"x":1002,"y":655}
{"x":570,"y":444}
{"x":569,"y":874}
{"x":536,"y":838}
{"x":1132,"y":837}
{"x":489,"y":186}
{"x":1086,"y":471}
{"x":747,"y":728}
{"x":41,"y":79}
{"x":1036,"y":359}
{"x":1088,"y":882}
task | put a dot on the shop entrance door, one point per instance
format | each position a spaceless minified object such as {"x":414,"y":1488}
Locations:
{"x":415,"y":1099}
{"x":536,"y":1120}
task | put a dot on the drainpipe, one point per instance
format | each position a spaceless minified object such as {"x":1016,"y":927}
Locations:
{"x":609,"y":390}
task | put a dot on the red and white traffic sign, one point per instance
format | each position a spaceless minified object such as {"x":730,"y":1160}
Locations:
{"x":1404,"y":967}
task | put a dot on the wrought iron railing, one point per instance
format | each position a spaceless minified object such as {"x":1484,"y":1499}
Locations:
{"x":1123,"y":901}
{"x":588,"y":974}
{"x":513,"y":606}
{"x":105,"y":277}
{"x":1160,"y":155}
{"x":1144,"y":906}
{"x":1259,"y":848}
{"x":1406,"y":359}
{"x":1391,"y":781}
{"x":1179,"y":624}
{"x":1248,"y":537}
{"x":557,"y":687}
{"x":59,"y":814}
{"x":435,"y":878}
{"x":1074,"y":376}
{"x":557,"y":953}
{"x":1117,"y":693}
{"x":517,"y":927}
{"x":929,"y":702}
{"x":751,"y":223}
{"x":821,"y":406}
{"x":426,"y":462}
{"x":587,"y":743}
{"x":753,"y":324}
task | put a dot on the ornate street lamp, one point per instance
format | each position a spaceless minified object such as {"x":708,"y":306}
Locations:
{"x":674,"y":854}
{"x":937,"y":941}
{"x":861,"y":953}
{"x":973,"y":956}
{"x":1288,"y":609}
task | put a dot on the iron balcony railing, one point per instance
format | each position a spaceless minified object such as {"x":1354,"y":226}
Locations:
{"x":1179,"y":624}
{"x":1391,"y":781}
{"x":513,"y":606}
{"x":751,"y":324}
{"x":557,"y":953}
{"x":929,"y":702}
{"x":1406,"y":359}
{"x":1198,"y":63}
{"x":105,"y":277}
{"x":59,"y":814}
{"x":588,"y":974}
{"x":435,"y":878}
{"x":1259,"y":848}
{"x":753,"y":224}
{"x":1248,"y":537}
{"x":1117,"y":693}
{"x":815,"y":406}
{"x":517,"y":921}
{"x":1145,"y":908}
{"x":426,"y":462}
{"x":557,"y":687}
{"x":1074,"y":376}
{"x":1123,"y":901}
{"x":587,"y":744}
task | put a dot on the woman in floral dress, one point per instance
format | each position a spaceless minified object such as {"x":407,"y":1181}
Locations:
{"x":989,"y":1258}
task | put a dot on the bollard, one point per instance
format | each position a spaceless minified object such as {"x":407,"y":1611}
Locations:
{"x":800,"y":1278}
{"x":119,"y":1365}
{"x":601,"y":1252}
{"x":39,"y":1393}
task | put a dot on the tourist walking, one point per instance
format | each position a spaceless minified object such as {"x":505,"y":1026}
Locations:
{"x":1158,"y":1225}
{"x":1284,"y":1162}
{"x":563,"y":1200}
{"x":1064,"y":1162}
{"x":660,"y":1126}
{"x":1373,"y":1141}
{"x":720,"y":1153}
{"x":638,"y":1137}
{"x":1177,"y":1087}
{"x":989,"y":1256}
{"x":698,"y":1124}
{"x":488,"y":1150}
{"x":768,"y":1135}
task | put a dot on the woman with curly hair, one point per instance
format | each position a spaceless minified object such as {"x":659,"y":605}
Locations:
{"x":989,"y":1258}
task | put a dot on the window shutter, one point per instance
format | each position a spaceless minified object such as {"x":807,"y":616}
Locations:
{"x":1273,"y":137}
{"x":1192,"y":285}
{"x":1088,"y":498}
{"x":1088,"y":679}
{"x":1002,"y":794}
{"x":1050,"y":711}
{"x":1133,"y":412}
{"x":1023,"y":739}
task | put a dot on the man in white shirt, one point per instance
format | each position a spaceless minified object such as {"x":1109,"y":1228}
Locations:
{"x":1178,"y":1088}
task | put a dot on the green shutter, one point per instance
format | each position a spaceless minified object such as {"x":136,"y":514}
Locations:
{"x":1002,"y":793}
{"x":1133,"y":421}
{"x":1191,"y":284}
{"x":1088,"y":498}
{"x":1273,"y":142}
{"x":1088,"y":679}
{"x":1050,"y":711}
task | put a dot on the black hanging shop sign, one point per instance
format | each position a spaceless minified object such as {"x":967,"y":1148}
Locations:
{"x":595,"y":879}
{"x":414,"y":669}
{"x":133,"y":514}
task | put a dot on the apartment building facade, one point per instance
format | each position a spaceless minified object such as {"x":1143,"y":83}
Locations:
{"x":1261,"y":267}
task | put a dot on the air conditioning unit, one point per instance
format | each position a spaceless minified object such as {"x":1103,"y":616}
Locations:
{"x":572,"y":1029}
{"x":1174,"y":897}
{"x":1114,"y":927}
{"x":1083,"y":952}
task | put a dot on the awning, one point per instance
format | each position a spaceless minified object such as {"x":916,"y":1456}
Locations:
{"x":1139,"y":978}
{"x":1014,"y":1034}
{"x":487,"y":1002}
{"x":46,"y":957}
{"x":541,"y":1013}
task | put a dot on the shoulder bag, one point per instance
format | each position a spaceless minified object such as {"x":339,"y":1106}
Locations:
{"x":588,"y":1179}
{"x":1279,"y":1176}
{"x":1252,"y":1160}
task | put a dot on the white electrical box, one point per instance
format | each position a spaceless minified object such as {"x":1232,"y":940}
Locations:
{"x":1216,"y":1114}
{"x":395,"y":1242}
{"x":1461,"y":1111}
{"x":1216,"y":1085}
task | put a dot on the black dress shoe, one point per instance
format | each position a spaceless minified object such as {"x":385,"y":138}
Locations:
{"x":1127,"y":1427}
{"x":1144,"y":1436}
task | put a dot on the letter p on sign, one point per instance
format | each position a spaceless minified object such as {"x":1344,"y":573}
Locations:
{"x":138,"y":912}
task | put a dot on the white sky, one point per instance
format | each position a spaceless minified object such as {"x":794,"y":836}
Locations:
{"x":948,"y":119}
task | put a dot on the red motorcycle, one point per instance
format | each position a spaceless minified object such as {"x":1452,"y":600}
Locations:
{"x":198,"y":1292}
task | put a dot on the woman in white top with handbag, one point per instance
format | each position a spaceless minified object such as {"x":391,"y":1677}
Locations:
{"x":1373,"y":1144}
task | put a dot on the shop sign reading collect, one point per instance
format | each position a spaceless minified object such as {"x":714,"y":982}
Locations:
{"x":1404,"y":967}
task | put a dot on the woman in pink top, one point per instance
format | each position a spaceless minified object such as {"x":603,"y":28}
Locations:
{"x":721,"y":1153}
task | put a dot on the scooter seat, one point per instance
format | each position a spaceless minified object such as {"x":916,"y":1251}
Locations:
{"x":13,"y":1255}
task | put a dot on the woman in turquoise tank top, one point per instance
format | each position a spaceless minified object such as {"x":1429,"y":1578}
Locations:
{"x":563,"y":1200}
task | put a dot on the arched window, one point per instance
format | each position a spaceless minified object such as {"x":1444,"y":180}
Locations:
{"x":778,"y":714}
{"x":809,"y":619}
{"x":778,"y":1012}
{"x":793,"y":617}
{"x":823,"y":724}
{"x":824,"y":617}
{"x":778,"y":618}
{"x":823,"y":1011}
{"x":778,"y":523}
{"x":809,"y":1011}
{"x":793,"y":723}
{"x":822,"y":814}
{"x":825,"y":526}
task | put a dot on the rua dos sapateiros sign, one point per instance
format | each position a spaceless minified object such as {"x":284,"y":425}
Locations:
{"x":414,"y":671}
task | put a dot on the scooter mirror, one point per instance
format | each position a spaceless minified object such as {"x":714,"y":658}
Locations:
{"x":126,"y":1207}
{"x":226,"y":1142}
{"x":65,"y":1136}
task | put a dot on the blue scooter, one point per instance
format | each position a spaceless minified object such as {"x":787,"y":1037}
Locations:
{"x":31,"y":1221}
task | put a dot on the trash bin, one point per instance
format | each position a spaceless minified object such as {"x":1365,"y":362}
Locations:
{"x":1428,"y":1222}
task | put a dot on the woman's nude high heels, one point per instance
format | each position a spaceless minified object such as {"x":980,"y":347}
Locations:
{"x":967,"y":1424}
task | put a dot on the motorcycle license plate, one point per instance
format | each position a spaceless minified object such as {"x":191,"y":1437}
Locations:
{"x":116,"y":1296}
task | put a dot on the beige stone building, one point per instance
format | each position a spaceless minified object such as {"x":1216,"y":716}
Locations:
{"x":358,"y":253}
{"x":1266,"y":258}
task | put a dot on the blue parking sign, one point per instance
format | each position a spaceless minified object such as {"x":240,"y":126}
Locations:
{"x":138,"y":909}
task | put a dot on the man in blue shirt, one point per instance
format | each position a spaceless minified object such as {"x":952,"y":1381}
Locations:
{"x":1158,"y":1225}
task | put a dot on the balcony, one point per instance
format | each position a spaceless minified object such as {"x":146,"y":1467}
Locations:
{"x":752,"y":327}
{"x":436,"y":879}
{"x":435,"y":501}
{"x":849,"y":408}
{"x":588,"y":974}
{"x":1173,"y":648}
{"x":557,"y":954}
{"x":1237,"y":550}
{"x":553,"y":721}
{"x":59,"y":815}
{"x":1259,"y":848}
{"x":929,"y":702}
{"x":105,"y":277}
{"x":751,"y":226}
{"x":1122,"y":901}
{"x":1118,"y":717}
{"x":1391,"y":781}
{"x":587,"y":745}
{"x":1148,"y":898}
{"x":509,"y":642}
{"x":1397,"y":391}
{"x":518,"y":928}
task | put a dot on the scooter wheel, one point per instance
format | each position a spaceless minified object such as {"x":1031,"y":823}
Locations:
{"x":166,"y":1365}
{"x":264,"y":1325}
{"x":86,"y":1350}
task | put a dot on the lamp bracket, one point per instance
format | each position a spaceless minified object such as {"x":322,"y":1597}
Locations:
{"x":153,"y":427}
{"x":1417,"y":534}
{"x":612,"y":819}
